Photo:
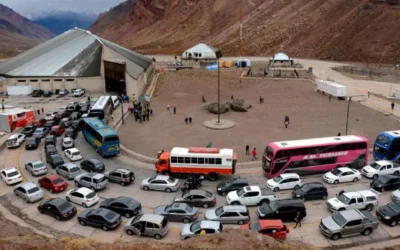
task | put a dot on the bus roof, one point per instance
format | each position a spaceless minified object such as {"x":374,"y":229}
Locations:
{"x":201,"y":151}
{"x":394,"y":133}
{"x":318,"y":141}
{"x":101,"y":102}
{"x":99,"y":126}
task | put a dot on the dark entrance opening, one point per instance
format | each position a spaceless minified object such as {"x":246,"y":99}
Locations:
{"x":115,"y":77}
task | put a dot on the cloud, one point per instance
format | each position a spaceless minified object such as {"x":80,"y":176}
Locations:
{"x":32,"y":8}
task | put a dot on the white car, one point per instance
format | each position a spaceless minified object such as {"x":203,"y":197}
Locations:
{"x":63,"y":92}
{"x":15,"y":140}
{"x":29,"y":191}
{"x":73,"y":154}
{"x":10,"y":175}
{"x":82,"y":196}
{"x":50,"y":116}
{"x":284,"y":181}
{"x":344,"y":174}
{"x":79,"y":92}
{"x":67,"y":142}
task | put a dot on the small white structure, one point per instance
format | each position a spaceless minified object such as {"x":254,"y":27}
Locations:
{"x":19,"y":90}
{"x":332,"y":88}
{"x":201,"y":51}
{"x":281,"y":58}
{"x":397,"y":93}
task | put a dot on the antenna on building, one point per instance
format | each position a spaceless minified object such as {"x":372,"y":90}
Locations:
{"x":240,"y":43}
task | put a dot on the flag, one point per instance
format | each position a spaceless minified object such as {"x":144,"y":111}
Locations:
{"x":213,"y":66}
{"x":209,"y":145}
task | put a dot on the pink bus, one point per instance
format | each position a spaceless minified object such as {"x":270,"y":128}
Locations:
{"x":315,"y":155}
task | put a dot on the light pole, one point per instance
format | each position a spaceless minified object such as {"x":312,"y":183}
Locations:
{"x":348,"y":110}
{"x":122,"y":110}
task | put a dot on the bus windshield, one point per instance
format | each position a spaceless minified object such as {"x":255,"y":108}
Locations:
{"x":383,"y":140}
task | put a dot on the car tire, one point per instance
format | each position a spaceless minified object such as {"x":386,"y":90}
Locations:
{"x":355,"y":179}
{"x":41,"y":210}
{"x":122,"y":183}
{"x":223,"y":193}
{"x":393,"y":223}
{"x":186,"y":238}
{"x":77,"y":184}
{"x":276,"y":189}
{"x":240,"y":222}
{"x":235,"y":203}
{"x":129,"y":232}
{"x":324,"y":197}
{"x":185,"y":220}
{"x":104,"y":228}
{"x":205,"y":205}
{"x":375,"y":176}
{"x":336,"y":182}
{"x":168,"y":190}
{"x":67,"y":198}
{"x":367,"y":231}
{"x":84,"y":205}
{"x":336,"y":237}
{"x":369,"y":208}
{"x":50,"y":190}
{"x":128,"y":215}
{"x":266,"y":201}
{"x":58,"y":217}
{"x":158,"y":237}
{"x":82,"y":223}
{"x":146,"y":188}
{"x":212,"y":176}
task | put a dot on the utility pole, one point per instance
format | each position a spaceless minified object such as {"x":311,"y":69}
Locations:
{"x":348,"y":110}
{"x":241,"y":43}
{"x":218,"y":94}
{"x":122,"y":110}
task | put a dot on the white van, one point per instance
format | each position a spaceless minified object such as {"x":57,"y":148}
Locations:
{"x":115,"y":101}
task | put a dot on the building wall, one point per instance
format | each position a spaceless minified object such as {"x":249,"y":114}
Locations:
{"x":131,"y":86}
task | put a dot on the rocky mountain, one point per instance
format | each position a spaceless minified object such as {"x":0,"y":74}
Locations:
{"x":18,"y":33}
{"x":348,"y":30}
{"x":60,"y":21}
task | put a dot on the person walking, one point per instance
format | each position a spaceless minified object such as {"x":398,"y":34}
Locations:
{"x":174,"y":110}
{"x":298,"y":219}
{"x":261,"y":99}
{"x":339,"y":134}
{"x":369,"y":93}
{"x":247,"y":150}
{"x":43,"y":109}
{"x":186,"y":120}
{"x":38,"y":111}
{"x":190,"y":120}
{"x":232,"y":97}
{"x":168,"y":107}
{"x":135,"y":113}
{"x":286,"y":121}
{"x":151,"y":112}
{"x":148,"y":116}
{"x":254,"y":154}
{"x":391,"y":105}
{"x":144,"y":116}
{"x":204,"y":100}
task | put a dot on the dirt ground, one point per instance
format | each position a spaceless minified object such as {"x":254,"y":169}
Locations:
{"x":311,"y":114}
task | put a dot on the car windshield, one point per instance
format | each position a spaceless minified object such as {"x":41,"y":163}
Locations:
{"x":343,"y":198}
{"x":241,"y":192}
{"x":111,"y":138}
{"x":383,"y":179}
{"x":12,"y":174}
{"x":339,"y":219}
{"x":100,"y":180}
{"x":33,"y":190}
{"x":188,"y":209}
{"x":273,"y":206}
{"x":56,"y":158}
{"x":137,"y":218}
{"x":31,"y":140}
{"x":219,"y":211}
{"x":39,"y":131}
{"x":375,"y":165}
{"x":255,"y":226}
{"x":209,"y":194}
{"x":91,"y":195}
{"x":74,"y":169}
{"x":305,"y":188}
{"x":99,"y":165}
{"x":171,"y":180}
{"x":195,"y":226}
{"x":76,"y":153}
{"x":277,"y":179}
{"x":64,"y":206}
{"x":395,"y":207}
{"x":38,"y":165}
{"x":110,"y":216}
{"x":336,"y":172}
{"x":383,"y":140}
{"x":58,"y":181}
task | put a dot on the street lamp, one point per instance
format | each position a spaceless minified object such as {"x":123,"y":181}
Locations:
{"x":122,"y":110}
{"x":348,"y":110}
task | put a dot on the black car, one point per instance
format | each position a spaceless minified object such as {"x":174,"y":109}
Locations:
{"x":390,"y":213}
{"x":311,"y":191}
{"x":49,"y":124}
{"x":28,"y":131}
{"x":122,"y":205}
{"x":101,"y":218}
{"x":32,"y":143}
{"x":69,"y":132}
{"x":93,"y":165}
{"x":225,"y":187}
{"x":85,"y":109}
{"x":54,"y":160}
{"x":47,"y":93}
{"x":50,"y":150}
{"x":66,"y":121}
{"x":76,"y":125}
{"x":75,"y":116}
{"x":37,"y":93}
{"x":57,"y":208}
{"x":285,"y":210}
{"x":50,"y":140}
{"x":386,"y":182}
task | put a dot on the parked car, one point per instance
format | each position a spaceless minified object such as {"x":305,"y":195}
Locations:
{"x":37,"y":93}
{"x":54,"y":160}
{"x":151,"y":225}
{"x":47,"y":93}
{"x":177,"y":212}
{"x":57,"y":208}
{"x":15,"y":140}
{"x":57,"y":130}
{"x":122,"y":205}
{"x":348,"y":223}
{"x":32,"y":143}
{"x":389,"y":213}
{"x":284,"y":210}
{"x":194,"y":229}
{"x":49,"y":124}
{"x":68,"y":170}
{"x":73,"y":154}
{"x":36,"y":168}
{"x":82,"y":196}
{"x":39,"y":123}
{"x":77,"y":125}
{"x":396,"y":195}
{"x":29,"y":192}
{"x":386,"y":182}
{"x":250,"y":196}
{"x":224,"y":188}
{"x":53,"y":183}
{"x":71,"y":133}
{"x":50,"y":150}
{"x":28,"y":131}
{"x":284,"y":181}
{"x":311,"y":191}
{"x":381,"y":168}
{"x":93,"y":181}
{"x":160,"y":183}
{"x":50,"y":140}
{"x":366,"y":199}
{"x":340,"y":175}
{"x":10,"y":175}
{"x":50,"y":116}
{"x":79,"y":92}
{"x":196,"y":198}
{"x":93,"y":165}
{"x":271,"y":228}
{"x":63,"y":92}
{"x":66,"y":121}
{"x":121,"y":176}
{"x":67,"y":142}
{"x":41,"y":132}
{"x":75,"y":116}
{"x":100,"y":218}
{"x":234,"y":214}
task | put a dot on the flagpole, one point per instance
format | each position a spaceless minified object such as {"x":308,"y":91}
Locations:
{"x":218,"y":92}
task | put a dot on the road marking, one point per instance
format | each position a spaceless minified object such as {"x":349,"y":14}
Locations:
{"x":17,"y":163}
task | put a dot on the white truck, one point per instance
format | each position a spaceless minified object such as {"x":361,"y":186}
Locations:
{"x":332,"y":88}
{"x":380,"y":168}
{"x":250,"y":196}
{"x":366,"y":199}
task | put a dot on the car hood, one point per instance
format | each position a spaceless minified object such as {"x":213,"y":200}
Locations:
{"x":210,"y":215}
{"x":265,"y":210}
{"x":271,"y":182}
{"x":330,"y":223}
{"x":160,"y":210}
{"x":377,"y":183}
{"x":396,"y":193}
{"x":386,"y":211}
{"x":232,"y":195}
{"x":335,"y":202}
{"x":222,"y":185}
{"x":298,"y":192}
{"x":329,"y":175}
{"x":106,"y":202}
{"x":370,"y":169}
{"x":185,"y":230}
{"x":85,"y":213}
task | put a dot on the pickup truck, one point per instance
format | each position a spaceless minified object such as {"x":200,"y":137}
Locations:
{"x":250,"y":196}
{"x":366,"y":199}
{"x":348,"y":223}
{"x":380,"y":168}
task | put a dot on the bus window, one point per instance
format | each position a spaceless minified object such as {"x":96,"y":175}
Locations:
{"x":194,"y":160}
{"x":218,"y":161}
{"x":383,"y":140}
{"x":180,"y":160}
{"x":279,"y":165}
{"x":201,"y":160}
{"x":174,"y":160}
{"x":211,"y":161}
{"x":187,"y":160}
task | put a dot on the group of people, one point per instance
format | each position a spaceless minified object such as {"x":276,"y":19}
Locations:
{"x":188,"y":120}
{"x":141,"y":113}
{"x":38,"y":111}
{"x":253,"y":153}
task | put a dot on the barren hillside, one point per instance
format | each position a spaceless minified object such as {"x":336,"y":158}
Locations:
{"x":356,"y":30}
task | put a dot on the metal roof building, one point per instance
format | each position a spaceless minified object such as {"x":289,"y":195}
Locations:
{"x":79,"y":59}
{"x":201,"y":51}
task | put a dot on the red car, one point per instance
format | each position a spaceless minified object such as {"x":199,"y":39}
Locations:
{"x":272,"y":228}
{"x":39,"y":123}
{"x":57,"y":130}
{"x":53,"y":183}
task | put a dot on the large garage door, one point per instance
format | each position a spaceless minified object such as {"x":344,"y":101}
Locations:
{"x":115,"y":77}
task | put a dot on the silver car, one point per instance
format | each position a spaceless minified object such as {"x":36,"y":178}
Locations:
{"x":68,"y":170}
{"x":93,"y":181}
{"x":147,"y":225}
{"x":36,"y":168}
{"x":67,"y":142}
{"x":177,"y":212}
{"x":29,"y":191}
{"x":195,"y":229}
{"x":160,"y":183}
{"x":229,"y":214}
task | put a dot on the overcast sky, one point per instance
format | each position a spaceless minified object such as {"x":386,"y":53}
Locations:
{"x":31,"y":8}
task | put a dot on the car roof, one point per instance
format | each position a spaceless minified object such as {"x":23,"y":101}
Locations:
{"x":73,"y":150}
{"x":345,"y":169}
{"x":360,"y":193}
{"x":292,"y":202}
{"x":13,"y":136}
{"x":241,"y":180}
{"x":383,"y":162}
{"x":197,"y":191}
{"x":36,"y":162}
{"x":153,"y":218}
{"x":123,"y":199}
{"x":52,"y":177}
{"x":94,"y":160}
{"x":56,"y":126}
{"x":122,"y":170}
{"x":10,"y":169}
{"x":210,"y":224}
{"x":289,"y":175}
{"x":57,"y":201}
{"x":67,"y":139}
{"x":162,"y":177}
{"x":27,"y":185}
{"x":101,"y":211}
{"x":70,"y":165}
{"x":270,"y":224}
{"x":94,"y":175}
{"x":83,"y":190}
{"x":240,"y":208}
{"x":350,"y":214}
{"x":180,"y":205}
{"x":315,"y":184}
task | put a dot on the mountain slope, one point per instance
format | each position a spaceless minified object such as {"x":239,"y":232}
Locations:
{"x":18,"y":34}
{"x":357,"y":30}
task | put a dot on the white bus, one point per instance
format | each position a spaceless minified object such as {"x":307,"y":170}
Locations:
{"x":115,"y":101}
{"x":102,"y":109}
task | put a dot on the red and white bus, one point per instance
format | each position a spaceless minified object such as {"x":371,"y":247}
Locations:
{"x":314,"y":155}
{"x":203,"y":161}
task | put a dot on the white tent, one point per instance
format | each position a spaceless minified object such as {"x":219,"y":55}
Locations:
{"x":201,"y":51}
{"x":281,"y":58}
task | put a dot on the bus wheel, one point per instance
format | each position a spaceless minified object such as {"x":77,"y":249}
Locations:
{"x":212,"y":176}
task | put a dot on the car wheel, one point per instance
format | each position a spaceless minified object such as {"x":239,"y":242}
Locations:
{"x":68,"y":199}
{"x":396,"y":173}
{"x":77,"y":184}
{"x":185,"y":220}
{"x":235,"y":203}
{"x":92,"y":188}
{"x":51,"y":190}
{"x":367,"y":231}
{"x":336,"y":182}
{"x":15,"y":192}
{"x":82,"y":223}
{"x":265,"y":202}
{"x":375,"y":176}
{"x":105,"y":228}
{"x":335,"y":237}
{"x":128,"y":215}
{"x":393,"y":223}
{"x":146,"y":188}
{"x":129,"y":232}
{"x":168,"y":190}
{"x":223,"y":193}
{"x":355,"y":179}
{"x":324,"y":197}
{"x":276,"y":189}
{"x":122,"y":183}
{"x":84,"y":205}
{"x":369,"y":207}
{"x":186,"y":238}
{"x":41,"y":210}
{"x":382,"y":189}
{"x":212,"y":176}
{"x":157,"y":237}
{"x":240,"y":222}
{"x":205,"y":205}
{"x":58,"y":217}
